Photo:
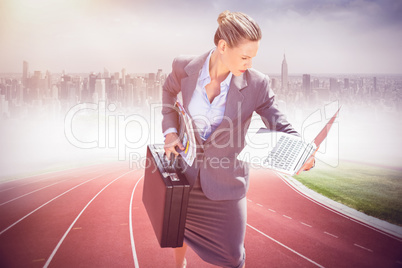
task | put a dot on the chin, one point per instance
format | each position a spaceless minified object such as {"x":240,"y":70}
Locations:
{"x":238,"y":73}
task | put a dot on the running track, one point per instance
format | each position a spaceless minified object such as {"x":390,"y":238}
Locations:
{"x":93,"y":217}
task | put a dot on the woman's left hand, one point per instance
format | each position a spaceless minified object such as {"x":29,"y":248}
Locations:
{"x":310,"y":163}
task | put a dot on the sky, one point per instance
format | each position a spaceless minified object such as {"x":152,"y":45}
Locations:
{"x":317,"y":36}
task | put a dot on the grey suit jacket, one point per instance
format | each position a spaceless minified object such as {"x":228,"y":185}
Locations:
{"x":222,"y":176}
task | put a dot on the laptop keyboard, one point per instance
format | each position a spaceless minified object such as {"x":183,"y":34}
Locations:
{"x":284,"y":153}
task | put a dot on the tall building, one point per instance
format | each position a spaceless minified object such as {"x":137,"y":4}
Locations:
{"x":139,"y":90}
{"x":35,"y":86}
{"x":306,"y":84}
{"x":100,"y":89}
{"x":91,"y":84}
{"x":106,"y":73}
{"x":113,"y":93}
{"x":126,"y":89}
{"x":315,"y":83}
{"x":25,"y":73}
{"x":116,"y":76}
{"x":130,"y":95}
{"x":75,"y":92}
{"x":159,"y":75}
{"x":375,"y":84}
{"x":333,"y":85}
{"x":54,"y":92}
{"x":123,"y":76}
{"x":151,"y":90}
{"x":65,"y":87}
{"x":85,"y":96}
{"x":49,"y":80}
{"x":19,"y":93}
{"x":284,"y":73}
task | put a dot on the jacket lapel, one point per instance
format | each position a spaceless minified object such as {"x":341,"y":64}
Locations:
{"x":189,"y":83}
{"x":233,"y":104}
{"x":235,"y":97}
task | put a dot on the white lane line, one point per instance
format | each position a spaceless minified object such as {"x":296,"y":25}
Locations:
{"x":33,"y":211}
{"x":32,"y":182}
{"x":259,"y":205}
{"x":249,"y":200}
{"x":335,"y":236}
{"x":46,"y":178}
{"x":287,"y":217}
{"x":131,"y":226}
{"x":76,"y":219}
{"x":37,"y":175}
{"x":272,"y":210}
{"x":30,"y":193}
{"x":66,"y":170}
{"x":367,"y":249}
{"x":305,"y":224}
{"x":288,"y":248}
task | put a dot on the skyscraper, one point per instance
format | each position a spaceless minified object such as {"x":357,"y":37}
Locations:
{"x":100,"y":89}
{"x":306,"y":84}
{"x":25,"y":74}
{"x":91,"y":83}
{"x":65,"y":87}
{"x":158,"y":75}
{"x":333,"y":85}
{"x":48,"y":82}
{"x":284,"y":74}
{"x":106,"y":73}
{"x":151,"y":90}
{"x":123,"y":76}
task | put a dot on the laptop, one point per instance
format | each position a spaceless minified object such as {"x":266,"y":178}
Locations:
{"x":280,"y":151}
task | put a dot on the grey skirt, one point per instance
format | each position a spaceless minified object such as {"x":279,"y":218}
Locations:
{"x":215,"y":230}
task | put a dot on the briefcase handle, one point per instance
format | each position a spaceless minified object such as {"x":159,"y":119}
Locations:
{"x":172,"y":164}
{"x":172,"y":161}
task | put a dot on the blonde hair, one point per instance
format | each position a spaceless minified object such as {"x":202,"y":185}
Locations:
{"x":235,"y":27}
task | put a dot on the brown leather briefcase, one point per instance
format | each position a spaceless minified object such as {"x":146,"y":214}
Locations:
{"x":165,"y":197}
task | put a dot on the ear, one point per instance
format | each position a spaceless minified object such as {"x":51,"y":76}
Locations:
{"x":222,"y":46}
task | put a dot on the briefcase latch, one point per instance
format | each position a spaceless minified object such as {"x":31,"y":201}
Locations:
{"x":173,"y":176}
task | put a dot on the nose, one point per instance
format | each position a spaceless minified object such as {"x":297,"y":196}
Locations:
{"x":249,"y":63}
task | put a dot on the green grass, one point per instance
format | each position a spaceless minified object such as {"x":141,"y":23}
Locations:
{"x":375,"y":191}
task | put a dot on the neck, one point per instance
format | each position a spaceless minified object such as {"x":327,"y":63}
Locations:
{"x":217,"y":70}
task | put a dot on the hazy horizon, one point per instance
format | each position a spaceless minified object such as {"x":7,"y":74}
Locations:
{"x":32,"y":145}
{"x":348,"y":36}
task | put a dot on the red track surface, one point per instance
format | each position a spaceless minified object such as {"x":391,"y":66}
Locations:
{"x":94,"y":217}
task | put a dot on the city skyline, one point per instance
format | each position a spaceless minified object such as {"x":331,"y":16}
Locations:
{"x":130,"y":90}
{"x":281,"y":71}
{"x":86,"y":36}
{"x":45,"y":99}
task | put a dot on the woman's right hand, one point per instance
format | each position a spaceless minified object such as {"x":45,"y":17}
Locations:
{"x":172,"y":142}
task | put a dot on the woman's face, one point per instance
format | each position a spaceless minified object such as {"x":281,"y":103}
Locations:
{"x":238,"y":59}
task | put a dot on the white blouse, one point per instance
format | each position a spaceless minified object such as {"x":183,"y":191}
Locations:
{"x":206,"y":115}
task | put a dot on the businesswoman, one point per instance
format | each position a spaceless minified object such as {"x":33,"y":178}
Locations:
{"x":220,"y":91}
